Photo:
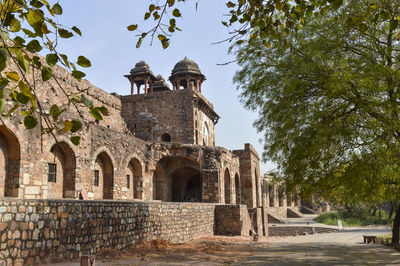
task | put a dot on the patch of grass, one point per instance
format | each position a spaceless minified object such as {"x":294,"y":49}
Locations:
{"x":331,"y":218}
{"x":384,"y":239}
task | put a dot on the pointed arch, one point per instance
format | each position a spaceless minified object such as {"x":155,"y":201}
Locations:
{"x":10,"y":153}
{"x":61,"y":172}
{"x":135,"y":175}
{"x":103,"y":175}
{"x":227,"y":186}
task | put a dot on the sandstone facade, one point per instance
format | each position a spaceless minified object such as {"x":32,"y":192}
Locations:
{"x":156,"y":146}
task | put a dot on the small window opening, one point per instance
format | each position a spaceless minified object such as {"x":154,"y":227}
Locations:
{"x":52,"y":177}
{"x":166,"y":137}
{"x":96,"y":177}
{"x":128,"y":181}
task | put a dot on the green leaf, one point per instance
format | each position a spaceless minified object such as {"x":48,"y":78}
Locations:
{"x":78,"y":74}
{"x":64,"y":33}
{"x":21,"y":98}
{"x":132,"y":27}
{"x":86,"y":101}
{"x":12,"y":76}
{"x":34,"y":46}
{"x":3,"y":82}
{"x":103,"y":110}
{"x":146,"y":15}
{"x":2,"y":105}
{"x":176,"y":13}
{"x":19,"y":40}
{"x":34,"y":17}
{"x":95,"y":113}
{"x":65,"y":60}
{"x":29,"y":33}
{"x":75,"y":140}
{"x":76,"y":125}
{"x":24,"y":88}
{"x":51,"y":59}
{"x":46,"y":74}
{"x":15,"y":25}
{"x":161,"y":37}
{"x":57,"y":9}
{"x":83,"y":61}
{"x":54,"y":110}
{"x":67,"y":125}
{"x":36,"y":3}
{"x":30,"y":122}
{"x":4,"y":34}
{"x":77,"y":30}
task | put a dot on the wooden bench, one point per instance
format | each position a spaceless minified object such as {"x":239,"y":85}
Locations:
{"x":369,"y":239}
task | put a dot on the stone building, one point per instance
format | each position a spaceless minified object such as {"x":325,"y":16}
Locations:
{"x":156,"y":146}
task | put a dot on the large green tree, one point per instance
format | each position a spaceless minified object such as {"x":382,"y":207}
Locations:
{"x":328,"y":98}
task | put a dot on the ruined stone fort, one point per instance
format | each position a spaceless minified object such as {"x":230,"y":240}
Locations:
{"x":149,"y":170}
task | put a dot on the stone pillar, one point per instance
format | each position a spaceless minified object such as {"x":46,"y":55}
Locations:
{"x":198,"y":85}
{"x":187,"y":83}
{"x":284,"y":196}
{"x":132,"y":87}
{"x":276,"y":196}
{"x":146,"y":85}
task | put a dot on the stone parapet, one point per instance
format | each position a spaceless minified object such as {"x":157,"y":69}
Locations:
{"x":35,"y":231}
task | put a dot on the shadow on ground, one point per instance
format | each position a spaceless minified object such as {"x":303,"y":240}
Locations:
{"x":323,"y":254}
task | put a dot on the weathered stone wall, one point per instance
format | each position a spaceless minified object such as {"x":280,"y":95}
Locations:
{"x":34,"y":231}
{"x":232,"y":220}
{"x":151,"y":115}
{"x":250,"y":176}
{"x":52,"y":92}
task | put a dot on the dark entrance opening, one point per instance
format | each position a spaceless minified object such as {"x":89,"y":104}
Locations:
{"x":186,"y":185}
{"x":166,"y":137}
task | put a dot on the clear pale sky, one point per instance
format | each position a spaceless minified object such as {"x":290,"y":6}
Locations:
{"x":111,"y":49}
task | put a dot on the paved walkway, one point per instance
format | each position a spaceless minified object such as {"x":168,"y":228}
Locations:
{"x":342,"y":248}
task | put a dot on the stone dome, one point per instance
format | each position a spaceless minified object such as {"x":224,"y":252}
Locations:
{"x":141,"y":67}
{"x":186,"y":66}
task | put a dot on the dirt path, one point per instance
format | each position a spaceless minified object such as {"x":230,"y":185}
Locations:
{"x":340,"y":248}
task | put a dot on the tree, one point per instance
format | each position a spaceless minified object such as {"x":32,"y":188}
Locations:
{"x":29,"y":27}
{"x":249,"y":19}
{"x":328,"y":98}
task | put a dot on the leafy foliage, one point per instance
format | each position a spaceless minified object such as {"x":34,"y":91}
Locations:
{"x":328,"y":99}
{"x":247,"y":19}
{"x":28,"y":27}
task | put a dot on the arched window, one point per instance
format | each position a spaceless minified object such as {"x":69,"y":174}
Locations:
{"x":166,"y":137}
{"x":206,"y":133}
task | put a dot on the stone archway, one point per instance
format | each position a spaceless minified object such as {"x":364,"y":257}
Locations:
{"x":177,"y":179}
{"x":134,"y":179}
{"x":9,"y":163}
{"x":227,"y":186}
{"x":237,"y":189}
{"x":103,"y":176}
{"x":186,"y":185}
{"x":61,"y":172}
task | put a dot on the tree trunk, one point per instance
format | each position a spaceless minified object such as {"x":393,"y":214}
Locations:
{"x":391,"y":210}
{"x":395,"y":229}
{"x":380,"y":213}
{"x":374,"y":211}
